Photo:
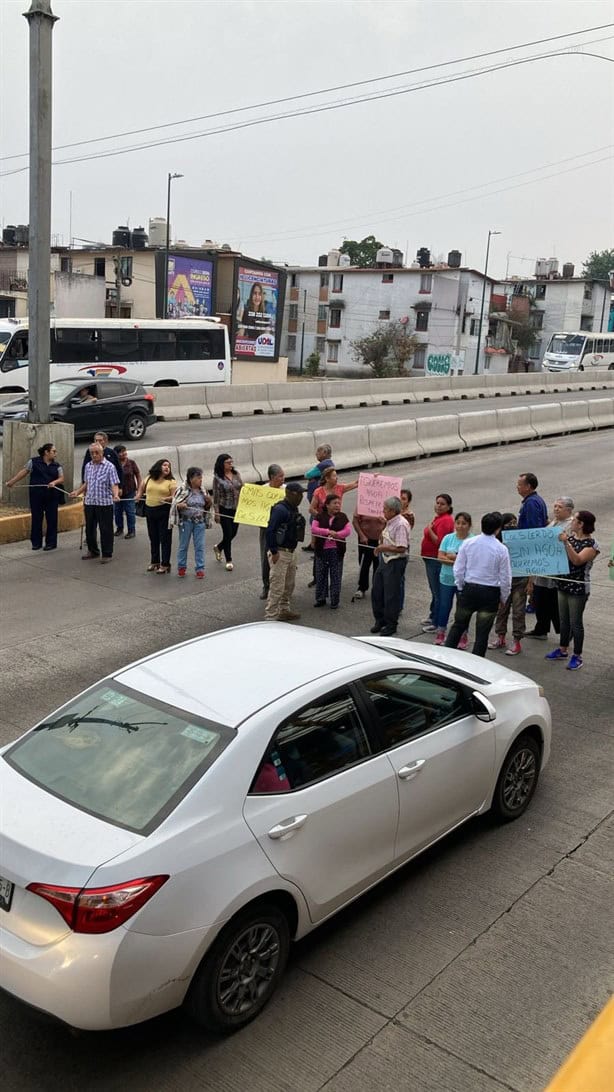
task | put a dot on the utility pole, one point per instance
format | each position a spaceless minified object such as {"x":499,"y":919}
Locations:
{"x":40,"y":21}
{"x":300,"y":368}
{"x":477,"y":351}
{"x":168,"y":239}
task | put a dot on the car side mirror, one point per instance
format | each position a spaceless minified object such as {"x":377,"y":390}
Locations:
{"x":482,"y":708}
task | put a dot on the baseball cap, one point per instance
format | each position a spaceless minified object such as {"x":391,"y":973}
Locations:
{"x":294,"y":487}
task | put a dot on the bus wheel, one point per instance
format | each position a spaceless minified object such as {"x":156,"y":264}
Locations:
{"x":135,"y":427}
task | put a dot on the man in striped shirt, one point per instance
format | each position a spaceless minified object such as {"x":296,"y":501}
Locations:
{"x":99,"y":489}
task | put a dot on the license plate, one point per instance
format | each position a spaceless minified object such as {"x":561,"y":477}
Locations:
{"x":6,"y":894}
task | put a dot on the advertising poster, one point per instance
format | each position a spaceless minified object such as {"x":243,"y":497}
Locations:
{"x":256,"y":313}
{"x":189,"y":284}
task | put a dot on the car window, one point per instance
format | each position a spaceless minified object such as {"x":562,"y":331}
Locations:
{"x":120,"y":755}
{"x":109,"y":389}
{"x":324,"y":738}
{"x":409,"y":703}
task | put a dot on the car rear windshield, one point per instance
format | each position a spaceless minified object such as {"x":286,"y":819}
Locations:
{"x":120,"y":755}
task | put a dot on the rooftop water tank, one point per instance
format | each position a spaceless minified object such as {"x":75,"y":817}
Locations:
{"x":345,"y":260}
{"x":9,"y":235}
{"x":157,"y":231}
{"x":383,"y":256}
{"x":332,"y":257}
{"x":322,"y":260}
{"x":139,"y":238}
{"x":568,"y":270}
{"x":121,"y":236}
{"x":22,"y":234}
{"x":454,"y":259}
{"x":424,"y":257}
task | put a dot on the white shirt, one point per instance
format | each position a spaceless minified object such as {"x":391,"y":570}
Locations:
{"x":484,"y":560}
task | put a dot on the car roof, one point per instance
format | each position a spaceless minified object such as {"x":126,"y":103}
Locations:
{"x":228,"y":675}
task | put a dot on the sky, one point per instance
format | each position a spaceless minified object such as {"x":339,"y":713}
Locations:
{"x":526,"y":151}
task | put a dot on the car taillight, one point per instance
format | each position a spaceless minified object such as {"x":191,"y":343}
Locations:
{"x":150,"y":397}
{"x":99,"y":909}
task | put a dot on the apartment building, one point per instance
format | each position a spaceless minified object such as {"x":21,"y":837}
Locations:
{"x":330,"y":305}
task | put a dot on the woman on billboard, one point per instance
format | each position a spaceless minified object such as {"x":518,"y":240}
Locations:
{"x":255,"y":319}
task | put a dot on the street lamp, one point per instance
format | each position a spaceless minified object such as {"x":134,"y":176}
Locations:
{"x":168,"y":238}
{"x":477,"y":351}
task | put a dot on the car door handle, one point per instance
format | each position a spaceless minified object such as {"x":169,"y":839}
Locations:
{"x":407,"y":772}
{"x":287,"y":827}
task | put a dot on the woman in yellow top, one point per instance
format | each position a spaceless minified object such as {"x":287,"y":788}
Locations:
{"x":158,"y":487}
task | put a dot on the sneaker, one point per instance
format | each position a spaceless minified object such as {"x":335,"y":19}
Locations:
{"x":377,"y":628}
{"x":463,"y":643}
{"x":180,"y":572}
{"x":556,"y":654}
{"x":358,"y":594}
{"x":428,"y":627}
{"x":498,"y":642}
{"x":514,"y":650}
{"x":131,"y":534}
{"x":217,"y":553}
{"x":441,"y":636}
{"x":426,"y":622}
{"x":200,"y":574}
{"x":229,"y":566}
{"x":575,"y":663}
{"x":388,"y":631}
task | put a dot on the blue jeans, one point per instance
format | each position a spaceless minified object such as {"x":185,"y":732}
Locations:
{"x":446,"y":598}
{"x":433,"y":568}
{"x":187,"y":530}
{"x":126,"y":504}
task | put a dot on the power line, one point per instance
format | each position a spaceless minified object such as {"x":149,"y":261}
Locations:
{"x":324,"y":90}
{"x":322,"y":108}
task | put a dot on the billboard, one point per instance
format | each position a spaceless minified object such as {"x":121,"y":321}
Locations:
{"x":190,"y":287}
{"x":256,"y":311}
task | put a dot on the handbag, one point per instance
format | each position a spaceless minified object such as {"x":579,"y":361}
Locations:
{"x":141,"y":504}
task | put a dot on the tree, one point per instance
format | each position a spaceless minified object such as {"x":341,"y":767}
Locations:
{"x":386,"y":350}
{"x":598,"y":264}
{"x":361,"y":254}
{"x":524,"y":334}
{"x":312,"y":364}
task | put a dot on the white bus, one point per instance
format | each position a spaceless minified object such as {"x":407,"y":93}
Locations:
{"x":158,"y":352}
{"x":575,"y":352}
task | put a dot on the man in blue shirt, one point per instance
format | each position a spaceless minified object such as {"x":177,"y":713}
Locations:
{"x":533,"y":513}
{"x":285,"y":529}
{"x":533,"y":510}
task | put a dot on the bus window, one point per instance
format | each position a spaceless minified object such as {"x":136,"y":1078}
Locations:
{"x":200,"y":344}
{"x":118,"y":345}
{"x":589,"y":348}
{"x":16,"y":355}
{"x":157,"y":345}
{"x":598,"y":345}
{"x":73,"y":346}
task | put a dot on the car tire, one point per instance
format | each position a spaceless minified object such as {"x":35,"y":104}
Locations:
{"x":255,"y":946}
{"x":135,"y":427}
{"x":517,"y":779}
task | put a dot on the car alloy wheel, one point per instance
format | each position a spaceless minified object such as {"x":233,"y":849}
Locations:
{"x":518,"y":779}
{"x":242,"y":969}
{"x":135,"y":427}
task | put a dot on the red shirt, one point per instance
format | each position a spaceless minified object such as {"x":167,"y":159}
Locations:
{"x":442,"y":525}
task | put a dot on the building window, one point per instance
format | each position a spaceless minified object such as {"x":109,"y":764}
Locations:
{"x":537,"y":320}
{"x":293,"y":280}
{"x":293,"y":311}
{"x":332,"y":353}
{"x":320,"y":344}
{"x":387,"y":278}
{"x":417,"y":360}
{"x":337,"y":282}
{"x":426,"y":282}
{"x":474,"y":327}
{"x":540,"y":291}
{"x":99,"y":267}
{"x":586,"y":322}
{"x":65,"y":265}
{"x":588,"y":291}
{"x":322,"y":313}
{"x":323,"y":280}
{"x":464,"y":325}
{"x":334,"y":317}
{"x":291,"y":342}
{"x":422,"y":321}
{"x":383,"y":315}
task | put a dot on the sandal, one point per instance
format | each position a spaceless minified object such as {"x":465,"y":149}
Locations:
{"x":162,"y":570}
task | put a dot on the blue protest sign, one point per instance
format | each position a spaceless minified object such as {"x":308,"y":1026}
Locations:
{"x":536,"y":551}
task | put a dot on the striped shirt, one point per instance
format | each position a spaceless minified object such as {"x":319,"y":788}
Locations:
{"x":99,"y":479}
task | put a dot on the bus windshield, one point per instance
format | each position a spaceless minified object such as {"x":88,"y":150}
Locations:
{"x":566,"y":344}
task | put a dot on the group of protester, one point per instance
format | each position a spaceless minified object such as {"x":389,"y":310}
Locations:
{"x":473,"y":569}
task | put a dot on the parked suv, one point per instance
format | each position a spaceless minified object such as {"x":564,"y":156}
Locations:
{"x":111,"y":405}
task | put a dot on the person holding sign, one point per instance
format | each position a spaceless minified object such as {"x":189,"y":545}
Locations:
{"x":545,"y":593}
{"x":286,"y":528}
{"x":330,"y":484}
{"x":276,"y":478}
{"x":330,"y":530}
{"x":573,"y":590}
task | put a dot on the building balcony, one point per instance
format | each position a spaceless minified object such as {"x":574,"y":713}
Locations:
{"x":13,"y":281}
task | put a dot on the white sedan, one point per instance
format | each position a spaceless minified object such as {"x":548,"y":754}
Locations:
{"x":167,"y":833}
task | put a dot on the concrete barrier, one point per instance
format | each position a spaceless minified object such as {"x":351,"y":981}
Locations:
{"x":180,"y":403}
{"x":547,"y":419}
{"x":435,"y":434}
{"x":601,"y":412}
{"x":296,"y":397}
{"x":393,"y":392}
{"x":433,"y":388}
{"x":347,"y":393}
{"x":145,"y":457}
{"x":575,"y":417}
{"x":479,"y":429}
{"x":395,"y":440}
{"x":514,"y":423}
{"x":240,"y":401}
{"x":350,"y":445}
{"x":295,"y":452}
{"x":204,"y":455}
{"x":469,"y":386}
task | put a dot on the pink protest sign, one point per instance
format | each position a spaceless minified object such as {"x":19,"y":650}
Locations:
{"x":373,"y":490}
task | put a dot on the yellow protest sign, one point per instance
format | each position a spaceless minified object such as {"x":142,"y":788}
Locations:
{"x":255,"y":503}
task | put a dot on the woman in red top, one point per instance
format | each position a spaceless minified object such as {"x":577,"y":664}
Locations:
{"x":330,"y":484}
{"x":442,"y":524}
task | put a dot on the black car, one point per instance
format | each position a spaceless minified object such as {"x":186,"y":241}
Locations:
{"x":108,"y":405}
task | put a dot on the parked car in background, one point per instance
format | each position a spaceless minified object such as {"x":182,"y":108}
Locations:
{"x":115,"y":406}
{"x":167,"y":833}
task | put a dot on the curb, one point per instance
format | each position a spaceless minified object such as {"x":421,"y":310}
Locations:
{"x":17,"y":528}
